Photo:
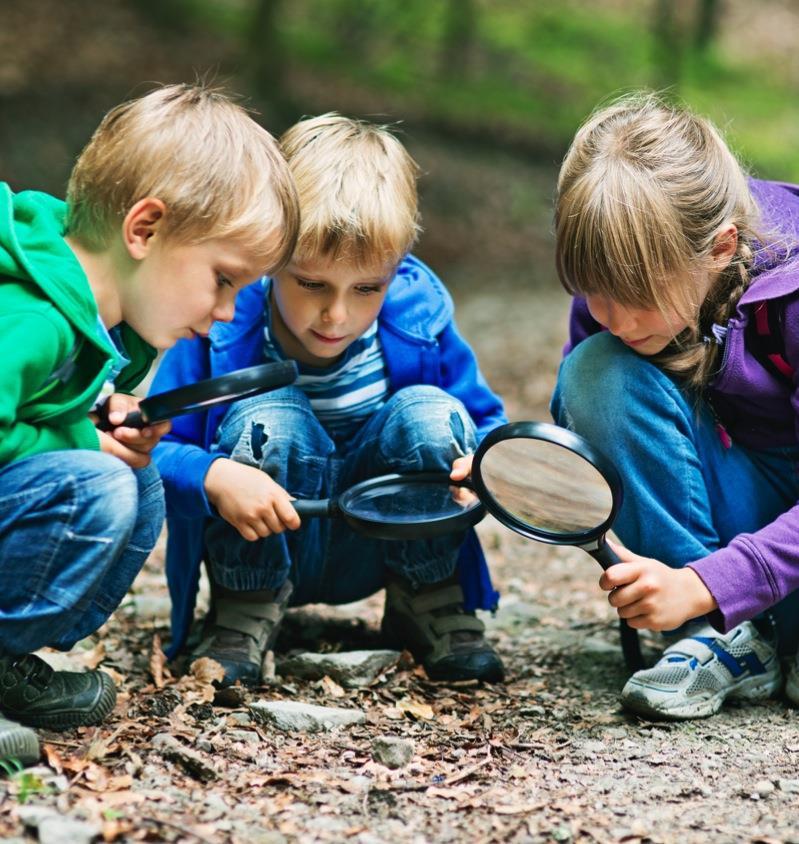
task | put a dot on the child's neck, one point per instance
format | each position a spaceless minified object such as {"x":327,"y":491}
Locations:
{"x":101,"y":273}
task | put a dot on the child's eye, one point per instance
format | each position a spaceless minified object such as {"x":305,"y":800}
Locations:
{"x":309,"y":285}
{"x":366,"y":289}
{"x":223,"y":281}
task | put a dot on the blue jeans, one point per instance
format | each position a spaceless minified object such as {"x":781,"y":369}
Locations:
{"x":685,"y":495}
{"x":75,"y":528}
{"x":419,"y":429}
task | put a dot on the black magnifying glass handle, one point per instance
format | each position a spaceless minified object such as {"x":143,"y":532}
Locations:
{"x":133,"y":420}
{"x":311,"y":507}
{"x":604,"y":554}
{"x":630,"y":643}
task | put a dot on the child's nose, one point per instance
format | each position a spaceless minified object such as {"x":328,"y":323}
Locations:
{"x":619,"y":320}
{"x":225,"y":310}
{"x":335,"y":312}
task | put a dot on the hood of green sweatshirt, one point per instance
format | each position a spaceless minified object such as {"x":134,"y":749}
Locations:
{"x":33,"y":250}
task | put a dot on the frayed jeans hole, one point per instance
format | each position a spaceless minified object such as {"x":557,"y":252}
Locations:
{"x":258,"y":439}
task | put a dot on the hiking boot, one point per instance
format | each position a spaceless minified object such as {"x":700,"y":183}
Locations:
{"x":33,"y":693}
{"x":697,"y":674}
{"x":18,"y":743}
{"x":240,"y":629}
{"x":433,"y":625}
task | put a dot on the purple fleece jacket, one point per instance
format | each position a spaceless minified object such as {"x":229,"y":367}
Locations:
{"x":756,"y":570}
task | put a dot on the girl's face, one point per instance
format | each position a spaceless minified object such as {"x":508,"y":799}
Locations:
{"x":647,"y":331}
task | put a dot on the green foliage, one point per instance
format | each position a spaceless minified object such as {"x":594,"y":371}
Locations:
{"x":24,"y":784}
{"x":527,"y":70}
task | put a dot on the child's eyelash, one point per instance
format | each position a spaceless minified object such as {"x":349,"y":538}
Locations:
{"x":223,"y":281}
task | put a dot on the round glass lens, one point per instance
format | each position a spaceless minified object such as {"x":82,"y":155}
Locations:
{"x":546,"y":486}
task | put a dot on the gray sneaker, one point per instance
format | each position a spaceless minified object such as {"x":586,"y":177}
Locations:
{"x":240,"y":628}
{"x":697,"y":674}
{"x":18,"y":743}
{"x":792,"y":681}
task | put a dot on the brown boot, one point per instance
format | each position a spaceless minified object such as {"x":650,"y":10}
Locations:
{"x":433,"y":625}
{"x":240,"y":628}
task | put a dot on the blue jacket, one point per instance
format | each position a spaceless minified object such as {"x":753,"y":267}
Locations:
{"x":421,"y":345}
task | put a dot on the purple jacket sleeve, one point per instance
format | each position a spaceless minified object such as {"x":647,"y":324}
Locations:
{"x":581,"y":324}
{"x":757,"y":570}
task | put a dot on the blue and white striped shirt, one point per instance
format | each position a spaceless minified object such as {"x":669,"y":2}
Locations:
{"x":343,"y":396}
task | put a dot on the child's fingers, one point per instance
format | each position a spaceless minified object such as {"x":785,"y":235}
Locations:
{"x":287,"y":514}
{"x":618,"y":575}
{"x":461,"y":467}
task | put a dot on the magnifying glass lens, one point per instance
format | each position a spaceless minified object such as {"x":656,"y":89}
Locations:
{"x":406,"y":503}
{"x":545,"y":486}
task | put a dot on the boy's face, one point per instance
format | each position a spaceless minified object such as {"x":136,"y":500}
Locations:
{"x":321,"y":306}
{"x":179,"y":290}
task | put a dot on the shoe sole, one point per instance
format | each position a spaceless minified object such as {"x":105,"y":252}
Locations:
{"x":19,"y":743}
{"x":792,"y":688}
{"x":66,"y":718}
{"x":761,"y":687}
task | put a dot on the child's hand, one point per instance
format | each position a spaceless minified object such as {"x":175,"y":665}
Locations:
{"x":141,"y":440}
{"x":135,"y":459}
{"x":249,"y":499}
{"x":652,"y":596}
{"x":461,"y":469}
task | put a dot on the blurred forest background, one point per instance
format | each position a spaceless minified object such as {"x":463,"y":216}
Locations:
{"x":485,"y":93}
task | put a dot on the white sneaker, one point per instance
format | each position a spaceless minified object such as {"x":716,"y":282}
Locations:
{"x":792,"y":683}
{"x":697,"y":674}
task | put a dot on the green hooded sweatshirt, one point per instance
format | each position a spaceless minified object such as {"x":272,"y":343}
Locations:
{"x":53,"y":361}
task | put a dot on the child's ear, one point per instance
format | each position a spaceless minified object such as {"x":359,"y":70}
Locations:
{"x":140,"y":224}
{"x":725,"y":245}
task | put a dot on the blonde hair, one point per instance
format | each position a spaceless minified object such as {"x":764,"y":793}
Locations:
{"x":357,"y":189}
{"x":218,"y":172}
{"x":643,"y":192}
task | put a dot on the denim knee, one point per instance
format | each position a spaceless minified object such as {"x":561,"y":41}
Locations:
{"x":278,"y":433}
{"x":604,"y":389}
{"x":426,"y":429}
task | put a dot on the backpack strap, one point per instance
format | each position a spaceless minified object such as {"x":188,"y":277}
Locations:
{"x":766,"y":340}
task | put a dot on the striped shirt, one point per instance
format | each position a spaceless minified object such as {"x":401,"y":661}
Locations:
{"x":343,"y":396}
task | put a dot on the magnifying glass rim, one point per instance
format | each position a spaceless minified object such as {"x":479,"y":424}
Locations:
{"x":564,"y":438}
{"x":230,"y":387}
{"x":467,"y":518}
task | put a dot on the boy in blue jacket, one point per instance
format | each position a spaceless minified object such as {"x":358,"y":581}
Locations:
{"x":386,"y":385}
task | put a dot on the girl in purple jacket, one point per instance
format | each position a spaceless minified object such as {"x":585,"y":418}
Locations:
{"x":693,"y":270}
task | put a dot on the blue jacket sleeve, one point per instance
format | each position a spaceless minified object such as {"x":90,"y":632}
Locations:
{"x":181,"y":456}
{"x":461,"y":378}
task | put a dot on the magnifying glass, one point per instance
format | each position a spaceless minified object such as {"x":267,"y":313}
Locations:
{"x":549,"y":484}
{"x":404,"y":506}
{"x":240,"y":384}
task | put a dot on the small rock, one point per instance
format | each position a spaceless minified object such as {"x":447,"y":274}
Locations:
{"x":55,"y":828}
{"x":593,"y":746}
{"x":243,"y":719}
{"x":789,"y":786}
{"x":249,"y":736}
{"x":292,"y":715}
{"x":764,"y":787}
{"x":391,"y":751}
{"x":194,"y":763}
{"x":352,"y":669}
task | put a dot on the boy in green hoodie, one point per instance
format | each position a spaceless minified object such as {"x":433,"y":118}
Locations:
{"x":179,"y":200}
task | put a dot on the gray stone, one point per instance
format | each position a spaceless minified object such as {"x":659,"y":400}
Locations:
{"x":351,"y":669}
{"x":193,"y":763}
{"x":764,"y":787}
{"x":55,"y":828}
{"x":249,"y":736}
{"x":391,"y":751}
{"x":292,"y":715}
{"x":789,"y":786}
